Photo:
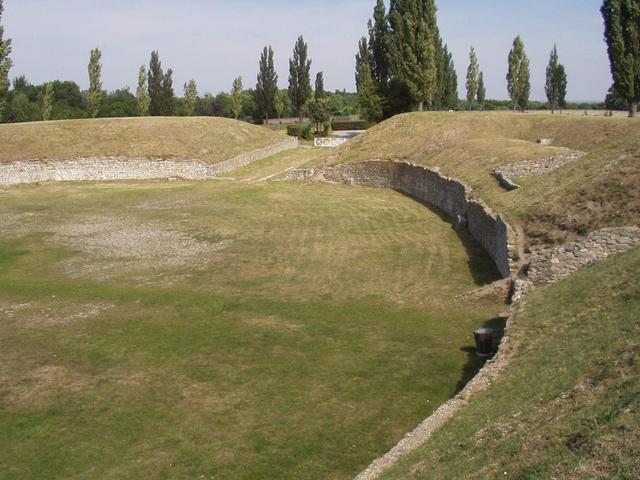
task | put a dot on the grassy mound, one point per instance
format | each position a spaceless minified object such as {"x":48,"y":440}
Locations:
{"x":568,"y":406}
{"x":211,"y":139}
{"x":599,"y":190}
{"x":225,"y":330}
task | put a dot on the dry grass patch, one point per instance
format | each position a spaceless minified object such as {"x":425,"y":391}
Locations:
{"x":210,"y":139}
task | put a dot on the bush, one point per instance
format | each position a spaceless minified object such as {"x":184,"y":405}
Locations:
{"x":326,"y":129}
{"x":355,"y":125}
{"x":306,"y":132}
{"x":294,"y":130}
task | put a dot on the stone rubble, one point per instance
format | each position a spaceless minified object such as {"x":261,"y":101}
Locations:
{"x":532,"y":168}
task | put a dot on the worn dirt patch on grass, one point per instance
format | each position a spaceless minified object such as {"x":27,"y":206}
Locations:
{"x":115,"y":244}
{"x":33,"y":315}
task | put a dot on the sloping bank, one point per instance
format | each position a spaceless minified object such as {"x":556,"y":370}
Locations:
{"x":450,"y":196}
{"x":123,"y":168}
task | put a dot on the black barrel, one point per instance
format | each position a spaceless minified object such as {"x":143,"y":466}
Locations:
{"x":484,"y":341}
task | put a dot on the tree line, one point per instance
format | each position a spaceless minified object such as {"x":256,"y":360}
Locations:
{"x":403,"y":64}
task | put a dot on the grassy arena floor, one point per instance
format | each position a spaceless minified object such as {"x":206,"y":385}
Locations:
{"x":225,"y":330}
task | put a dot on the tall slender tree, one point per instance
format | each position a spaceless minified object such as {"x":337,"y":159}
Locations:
{"x":412,"y":49}
{"x":267,"y":85}
{"x":518,"y":76}
{"x":319,"y":92}
{"x":378,"y":44}
{"x":142,"y":93}
{"x":369,"y":101}
{"x":236,"y":97}
{"x":168,"y":95}
{"x":47,"y":101}
{"x":299,"y":77}
{"x":363,"y":57}
{"x":190,"y":97}
{"x":472,"y":78}
{"x":94,"y":95}
{"x":556,"y":84}
{"x":5,"y":65}
{"x":155,"y":80}
{"x":562,"y":87}
{"x":482,"y":90}
{"x":450,"y":93}
{"x":622,"y":34}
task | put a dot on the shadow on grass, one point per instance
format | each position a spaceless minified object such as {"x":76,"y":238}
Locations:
{"x":474,"y":362}
{"x":482,"y":267}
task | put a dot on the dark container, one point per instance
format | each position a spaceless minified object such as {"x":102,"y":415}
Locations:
{"x":484,"y":341}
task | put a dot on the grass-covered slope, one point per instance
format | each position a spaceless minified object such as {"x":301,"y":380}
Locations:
{"x":211,"y":139}
{"x":600,"y":189}
{"x":568,"y":405}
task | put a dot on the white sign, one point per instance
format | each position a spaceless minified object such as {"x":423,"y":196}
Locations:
{"x":329,"y":142}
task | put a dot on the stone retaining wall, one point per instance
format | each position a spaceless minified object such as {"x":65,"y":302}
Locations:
{"x":121,"y":168}
{"x":549,"y":266}
{"x":428,"y":186}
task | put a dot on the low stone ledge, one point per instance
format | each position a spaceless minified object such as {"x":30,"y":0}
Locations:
{"x":552,"y":265}
{"x":532,"y":168}
{"x":123,"y":168}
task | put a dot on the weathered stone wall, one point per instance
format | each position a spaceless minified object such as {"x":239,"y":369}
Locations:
{"x":549,"y":266}
{"x":446,"y":194}
{"x":120,"y":168}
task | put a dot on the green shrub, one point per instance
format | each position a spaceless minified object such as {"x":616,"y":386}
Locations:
{"x":354,"y":125}
{"x":326,"y":129}
{"x":306,"y":132}
{"x":294,"y":130}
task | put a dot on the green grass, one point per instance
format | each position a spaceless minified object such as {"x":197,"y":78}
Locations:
{"x":568,"y":405}
{"x":211,"y":139}
{"x":226,"y":330}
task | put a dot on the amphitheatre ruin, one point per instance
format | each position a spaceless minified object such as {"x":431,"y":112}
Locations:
{"x":266,"y":283}
{"x":235,"y":285}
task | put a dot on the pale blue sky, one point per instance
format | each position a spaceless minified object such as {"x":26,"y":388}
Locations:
{"x":213,"y":41}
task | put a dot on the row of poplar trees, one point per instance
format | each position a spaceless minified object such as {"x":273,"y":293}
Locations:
{"x":404,"y":63}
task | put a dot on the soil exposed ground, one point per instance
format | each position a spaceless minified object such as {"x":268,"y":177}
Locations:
{"x":210,"y":139}
{"x":226,"y":329}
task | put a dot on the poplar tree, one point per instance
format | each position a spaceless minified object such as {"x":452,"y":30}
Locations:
{"x":94,"y":95}
{"x":472,"y":78}
{"x":167,"y":94}
{"x":369,"y":101}
{"x":267,"y":85}
{"x":142,"y":94}
{"x":482,"y":90}
{"x":562,"y":87}
{"x":5,"y":65}
{"x":363,"y":57}
{"x":412,"y":48}
{"x":556,"y":84}
{"x":299,"y":77}
{"x":155,"y":79}
{"x":379,"y":44}
{"x":319,"y":92}
{"x":190,"y":96}
{"x":47,"y":101}
{"x":518,"y":77}
{"x":450,"y":93}
{"x":236,"y":98}
{"x":622,"y":34}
